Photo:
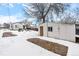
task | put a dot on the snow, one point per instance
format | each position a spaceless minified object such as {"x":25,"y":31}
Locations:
{"x":19,"y":46}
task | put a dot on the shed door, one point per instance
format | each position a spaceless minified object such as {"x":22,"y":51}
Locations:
{"x":41,"y":30}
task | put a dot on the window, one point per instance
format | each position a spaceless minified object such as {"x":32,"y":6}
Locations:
{"x":50,"y":29}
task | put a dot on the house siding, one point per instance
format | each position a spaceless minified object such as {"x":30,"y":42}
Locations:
{"x":16,"y":26}
{"x":60,"y":31}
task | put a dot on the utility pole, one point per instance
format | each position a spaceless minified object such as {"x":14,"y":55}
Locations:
{"x":8,"y":11}
{"x":9,"y":14}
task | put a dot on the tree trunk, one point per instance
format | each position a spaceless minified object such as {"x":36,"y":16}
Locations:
{"x":43,"y":19}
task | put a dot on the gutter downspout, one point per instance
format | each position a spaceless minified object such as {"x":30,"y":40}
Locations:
{"x":47,"y":28}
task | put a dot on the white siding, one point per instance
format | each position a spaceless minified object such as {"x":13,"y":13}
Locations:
{"x":60,"y":31}
{"x":67,"y":32}
{"x":55,"y":32}
{"x":14,"y":26}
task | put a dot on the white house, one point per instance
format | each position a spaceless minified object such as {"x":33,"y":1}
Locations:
{"x":19,"y":25}
{"x":60,"y":31}
{"x":15,"y":26}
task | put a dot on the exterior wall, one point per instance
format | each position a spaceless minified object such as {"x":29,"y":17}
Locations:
{"x":20,"y":25}
{"x":13,"y":26}
{"x":67,"y":31}
{"x":55,"y":31}
{"x":60,"y":31}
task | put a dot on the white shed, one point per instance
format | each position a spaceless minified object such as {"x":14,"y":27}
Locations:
{"x":58,"y":30}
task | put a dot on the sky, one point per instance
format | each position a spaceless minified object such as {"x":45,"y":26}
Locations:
{"x":14,"y":12}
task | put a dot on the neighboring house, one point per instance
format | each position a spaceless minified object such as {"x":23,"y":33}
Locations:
{"x":19,"y":25}
{"x":68,"y":32}
{"x":4,"y":26}
{"x":15,"y":26}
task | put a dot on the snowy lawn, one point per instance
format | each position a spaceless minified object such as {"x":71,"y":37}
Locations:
{"x":18,"y":46}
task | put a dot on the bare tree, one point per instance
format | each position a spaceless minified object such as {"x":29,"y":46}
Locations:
{"x":71,"y":17}
{"x":68,"y":18}
{"x":41,"y":10}
{"x":76,"y":11}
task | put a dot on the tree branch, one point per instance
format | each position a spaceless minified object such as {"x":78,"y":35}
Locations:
{"x":47,"y":10}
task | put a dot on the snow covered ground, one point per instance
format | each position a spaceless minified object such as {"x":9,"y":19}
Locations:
{"x":19,"y":46}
